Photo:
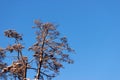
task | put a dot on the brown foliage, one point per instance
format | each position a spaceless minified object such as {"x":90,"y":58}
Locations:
{"x":49,"y":52}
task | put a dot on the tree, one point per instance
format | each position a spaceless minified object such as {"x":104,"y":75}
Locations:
{"x":50,"y":51}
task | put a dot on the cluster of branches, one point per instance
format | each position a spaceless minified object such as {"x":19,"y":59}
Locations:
{"x":49,"y":52}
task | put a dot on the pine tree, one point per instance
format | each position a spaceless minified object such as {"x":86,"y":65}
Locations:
{"x":50,"y":51}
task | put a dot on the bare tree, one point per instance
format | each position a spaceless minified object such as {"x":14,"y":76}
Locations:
{"x":50,"y":51}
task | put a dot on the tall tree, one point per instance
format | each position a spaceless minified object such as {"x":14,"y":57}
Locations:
{"x":50,"y":51}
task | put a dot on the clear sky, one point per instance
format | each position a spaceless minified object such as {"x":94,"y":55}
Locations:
{"x":92,"y":28}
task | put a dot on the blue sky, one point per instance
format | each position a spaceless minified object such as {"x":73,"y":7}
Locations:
{"x":92,"y":27}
